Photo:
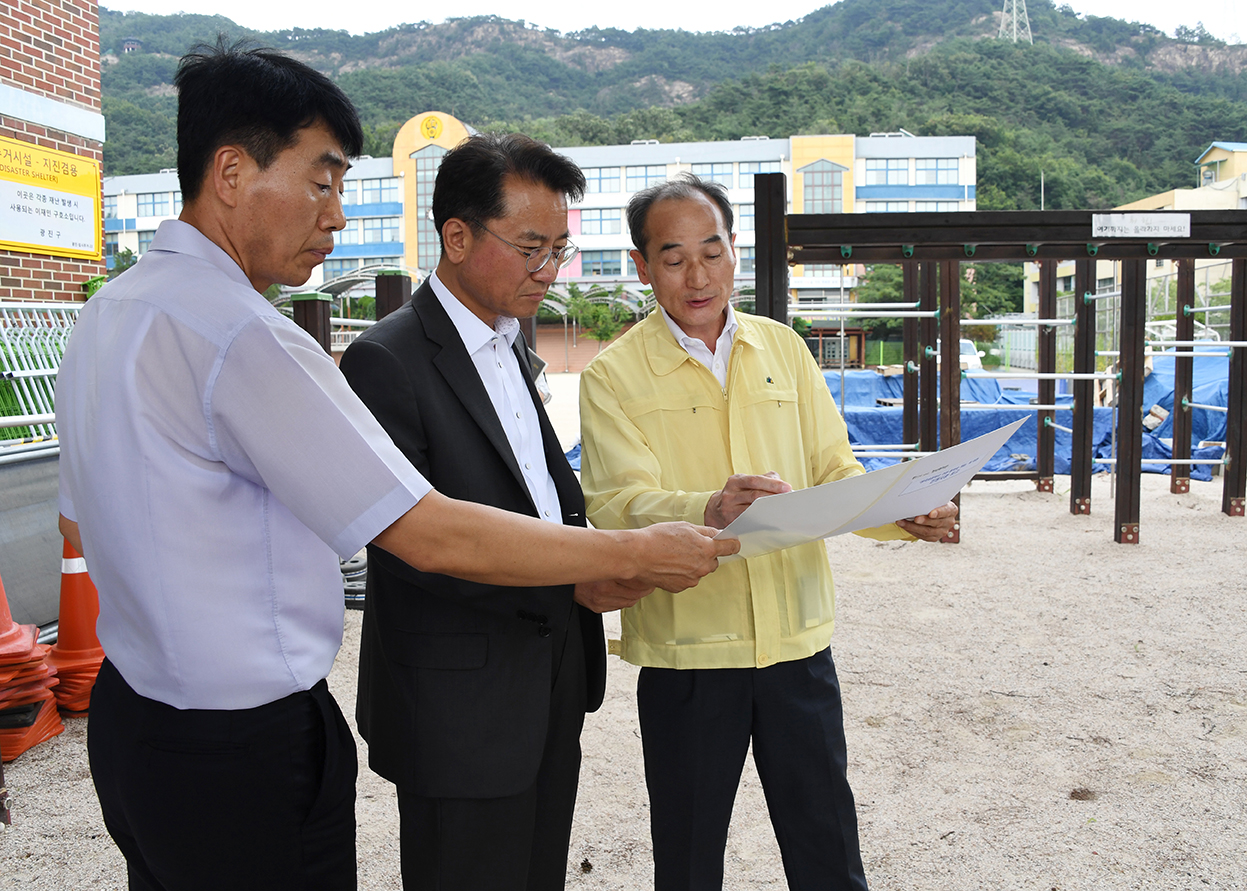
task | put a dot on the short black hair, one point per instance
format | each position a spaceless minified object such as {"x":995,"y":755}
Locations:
{"x":469,"y":180}
{"x":684,"y":185}
{"x":256,"y":98}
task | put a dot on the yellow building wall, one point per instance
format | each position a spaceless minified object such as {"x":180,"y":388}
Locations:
{"x":1226,"y":164}
{"x":430,"y":128}
{"x":808,"y":149}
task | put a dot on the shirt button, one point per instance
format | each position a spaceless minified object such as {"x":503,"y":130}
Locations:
{"x":518,"y":415}
{"x":763,"y":659}
{"x":528,"y":467}
{"x":547,"y":513}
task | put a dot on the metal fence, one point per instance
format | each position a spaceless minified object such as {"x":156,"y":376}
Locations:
{"x":32,"y":342}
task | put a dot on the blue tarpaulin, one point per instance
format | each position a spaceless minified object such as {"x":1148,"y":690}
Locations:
{"x":872,"y":424}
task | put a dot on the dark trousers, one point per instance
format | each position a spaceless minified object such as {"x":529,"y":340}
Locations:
{"x":696,"y":725}
{"x":517,"y":843}
{"x":260,"y":798}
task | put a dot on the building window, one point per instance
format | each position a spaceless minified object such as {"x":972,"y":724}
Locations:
{"x":1065,"y":284}
{"x":821,"y":269}
{"x":110,"y":244}
{"x":395,"y":262}
{"x":154,"y":204}
{"x":716,"y":173}
{"x":428,"y":246}
{"x":380,"y":191}
{"x":631,"y":265}
{"x":145,"y":240}
{"x":177,"y":202}
{"x":823,"y":187}
{"x":110,"y":207}
{"x":599,"y":263}
{"x":936,"y":206}
{"x":600,"y":222}
{"x":350,"y":193}
{"x":335,"y":268}
{"x":744,"y":218}
{"x":643,"y":177}
{"x":348,"y":234}
{"x":747,"y":258}
{"x":887,"y":171}
{"x":749,"y":168}
{"x":887,"y":206}
{"x":601,"y":179}
{"x":935,"y":171}
{"x":381,"y":229}
{"x":1105,"y":284}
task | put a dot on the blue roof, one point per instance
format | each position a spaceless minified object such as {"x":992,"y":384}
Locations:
{"x":1228,"y":146}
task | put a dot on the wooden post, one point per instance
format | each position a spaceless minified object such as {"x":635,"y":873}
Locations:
{"x":928,"y":379}
{"x":1183,"y":368}
{"x":950,"y":371}
{"x":1083,"y":445}
{"x":910,"y":355}
{"x":311,"y":313}
{"x":1045,"y":352}
{"x":1234,"y":498}
{"x":1130,"y":401}
{"x":770,"y":198}
{"x":393,"y":290}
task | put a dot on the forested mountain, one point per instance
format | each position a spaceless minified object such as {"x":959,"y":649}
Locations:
{"x":1108,"y":110}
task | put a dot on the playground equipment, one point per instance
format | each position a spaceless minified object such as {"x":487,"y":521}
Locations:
{"x":930,"y":248}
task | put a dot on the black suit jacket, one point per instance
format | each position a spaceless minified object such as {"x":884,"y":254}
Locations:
{"x":454,"y":676}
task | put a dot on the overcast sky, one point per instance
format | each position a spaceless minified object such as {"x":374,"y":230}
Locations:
{"x":1217,"y":15}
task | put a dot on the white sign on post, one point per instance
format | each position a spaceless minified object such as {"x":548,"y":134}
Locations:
{"x":1141,"y":225}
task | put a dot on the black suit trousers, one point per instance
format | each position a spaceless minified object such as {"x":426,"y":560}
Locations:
{"x":516,"y":843}
{"x":202,"y":800}
{"x":696,"y":727}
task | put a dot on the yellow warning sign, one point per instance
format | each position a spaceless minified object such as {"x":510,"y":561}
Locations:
{"x":49,"y":201}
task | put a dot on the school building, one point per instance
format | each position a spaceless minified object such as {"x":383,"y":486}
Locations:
{"x":387,"y":200}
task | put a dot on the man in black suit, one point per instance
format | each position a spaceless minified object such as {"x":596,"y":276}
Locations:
{"x":472,"y":696}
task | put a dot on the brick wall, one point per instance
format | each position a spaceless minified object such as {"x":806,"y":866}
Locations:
{"x":50,"y":48}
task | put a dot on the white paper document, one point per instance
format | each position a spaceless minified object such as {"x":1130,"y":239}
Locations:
{"x":860,"y":502}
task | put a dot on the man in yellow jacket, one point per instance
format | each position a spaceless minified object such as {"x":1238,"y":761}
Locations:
{"x":692,"y":415}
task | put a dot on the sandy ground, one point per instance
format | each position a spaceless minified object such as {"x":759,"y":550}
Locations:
{"x":1034,"y":708}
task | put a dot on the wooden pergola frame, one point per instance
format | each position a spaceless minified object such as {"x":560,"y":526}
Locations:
{"x":930,"y":248}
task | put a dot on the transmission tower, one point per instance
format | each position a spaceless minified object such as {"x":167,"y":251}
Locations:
{"x":1015,"y":25}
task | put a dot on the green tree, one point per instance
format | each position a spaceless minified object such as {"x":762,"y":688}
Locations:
{"x":881,"y":284}
{"x":122,"y":260}
{"x":602,"y":323}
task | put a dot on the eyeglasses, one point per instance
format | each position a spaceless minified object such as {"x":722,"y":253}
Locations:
{"x":536,"y":259}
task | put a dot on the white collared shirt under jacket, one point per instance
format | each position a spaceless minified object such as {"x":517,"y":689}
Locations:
{"x":217,"y":464}
{"x":499,"y":368}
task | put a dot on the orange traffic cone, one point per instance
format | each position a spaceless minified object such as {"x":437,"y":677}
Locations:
{"x":27,"y":712}
{"x":77,"y":654}
{"x":16,"y":641}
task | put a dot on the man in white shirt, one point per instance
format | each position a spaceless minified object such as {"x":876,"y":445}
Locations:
{"x":213,"y":460}
{"x":472,"y":697}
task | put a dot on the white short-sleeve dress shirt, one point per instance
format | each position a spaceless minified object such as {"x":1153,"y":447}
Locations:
{"x":217,"y":464}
